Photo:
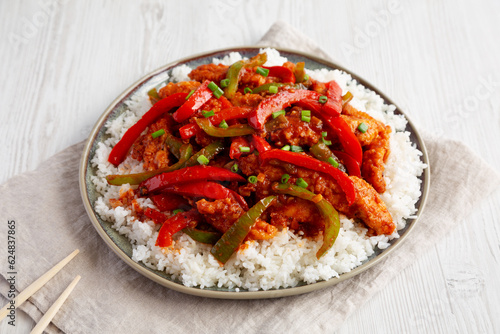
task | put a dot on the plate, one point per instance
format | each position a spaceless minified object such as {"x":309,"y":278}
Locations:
{"x":121,"y":245}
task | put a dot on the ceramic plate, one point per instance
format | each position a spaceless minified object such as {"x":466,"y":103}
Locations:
{"x":121,"y":245}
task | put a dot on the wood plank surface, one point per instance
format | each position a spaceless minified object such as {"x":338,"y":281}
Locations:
{"x":64,"y":61}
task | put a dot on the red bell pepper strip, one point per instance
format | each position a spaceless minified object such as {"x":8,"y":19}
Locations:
{"x":120,"y":150}
{"x":168,"y":202}
{"x":189,"y":130}
{"x":188,"y":174}
{"x":308,"y":162}
{"x":257,"y":118}
{"x":346,"y":137}
{"x":282,"y":72}
{"x":334,"y":104}
{"x":352,"y":165}
{"x":230,"y":113}
{"x":206,"y":189}
{"x":155,"y":215}
{"x":237,"y":142}
{"x":260,"y":144}
{"x":175,"y":224}
{"x":195,"y":101}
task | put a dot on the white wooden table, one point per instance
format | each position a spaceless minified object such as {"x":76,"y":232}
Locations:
{"x":64,"y":61}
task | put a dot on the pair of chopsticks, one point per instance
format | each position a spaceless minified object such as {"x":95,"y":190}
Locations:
{"x":35,"y":286}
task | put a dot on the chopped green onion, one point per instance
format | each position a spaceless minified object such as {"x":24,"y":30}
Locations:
{"x":262,"y":71}
{"x":207,"y":114}
{"x":244,"y":149}
{"x":278,"y":113}
{"x":305,"y":115}
{"x":323,"y":99}
{"x":247,"y":90}
{"x":202,"y":160}
{"x":215,"y":89}
{"x":286,"y":148}
{"x":252,"y":179}
{"x":158,"y":133}
{"x":223,"y":124}
{"x":333,"y":162}
{"x":285,"y":178}
{"x":294,"y":148}
{"x":234,"y":168}
{"x":176,"y":211}
{"x":301,"y":183}
{"x":306,"y":77}
{"x":363,"y":127}
{"x":273,"y":89}
{"x":224,"y":83}
{"x":190,"y":93}
{"x":323,"y":135}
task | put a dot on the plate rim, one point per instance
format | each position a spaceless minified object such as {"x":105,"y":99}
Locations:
{"x":260,"y":294}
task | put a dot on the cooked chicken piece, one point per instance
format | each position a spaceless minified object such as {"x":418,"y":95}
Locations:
{"x":181,"y":87}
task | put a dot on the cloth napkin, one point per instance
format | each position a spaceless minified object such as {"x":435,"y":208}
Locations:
{"x":113,"y":298}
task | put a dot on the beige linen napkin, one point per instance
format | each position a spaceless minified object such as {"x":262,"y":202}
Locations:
{"x":113,"y":298}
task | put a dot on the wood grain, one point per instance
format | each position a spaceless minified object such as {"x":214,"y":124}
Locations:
{"x":62,"y":64}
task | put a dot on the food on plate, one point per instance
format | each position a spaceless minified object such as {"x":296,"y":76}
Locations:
{"x":257,"y":174}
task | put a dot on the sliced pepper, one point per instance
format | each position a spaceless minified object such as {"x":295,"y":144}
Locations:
{"x":188,"y":174}
{"x":258,"y":117}
{"x":120,"y":150}
{"x":156,"y":216}
{"x":193,"y":103}
{"x":153,"y":95}
{"x":205,"y":237}
{"x":346,"y":137}
{"x":231,"y":131}
{"x":175,"y":224}
{"x":299,"y":72}
{"x":168,"y":202}
{"x":265,"y":87}
{"x":329,"y":214}
{"x":230,"y":113}
{"x":186,"y":152}
{"x":206,"y":189}
{"x":189,"y":130}
{"x":352,"y":165}
{"x":234,"y":236}
{"x":233,"y":73}
{"x":174,"y":145}
{"x":209,"y":152}
{"x":308,"y":162}
{"x":282,"y":72}
{"x":260,"y":144}
{"x":323,"y":153}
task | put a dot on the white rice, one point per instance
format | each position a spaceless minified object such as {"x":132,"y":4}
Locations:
{"x":287,"y":259}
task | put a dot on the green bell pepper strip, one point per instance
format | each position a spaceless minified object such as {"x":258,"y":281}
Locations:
{"x":204,"y":237}
{"x":299,"y":72}
{"x":329,"y":214}
{"x":153,"y":95}
{"x":209,"y":151}
{"x":323,"y":153}
{"x":186,"y":152}
{"x":231,"y":131}
{"x":174,"y":145}
{"x":233,"y":73}
{"x":265,"y":87}
{"x":234,"y":236}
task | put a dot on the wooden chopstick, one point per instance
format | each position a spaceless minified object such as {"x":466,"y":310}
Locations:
{"x":51,"y":312}
{"x":36,"y":285}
